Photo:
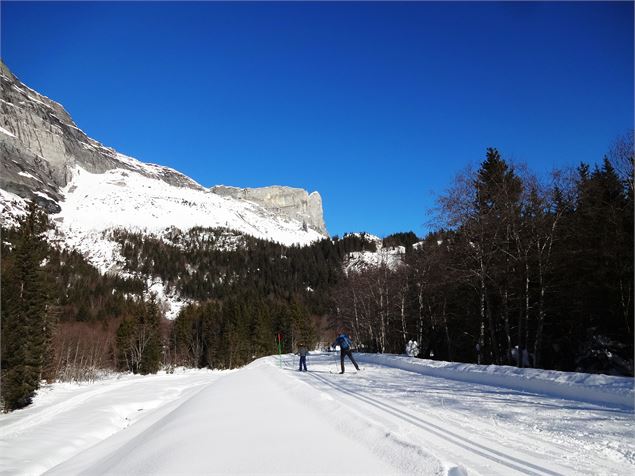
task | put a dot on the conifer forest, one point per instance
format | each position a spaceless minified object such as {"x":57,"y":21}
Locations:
{"x":522,"y":267}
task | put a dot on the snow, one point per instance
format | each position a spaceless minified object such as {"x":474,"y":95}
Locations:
{"x":43,"y":195}
{"x":596,"y":388}
{"x":357,"y":261}
{"x":140,"y":201}
{"x":391,"y":418}
{"x":172,"y":302}
{"x":12,"y":207}
{"x":4,"y":131}
{"x":122,"y":198}
{"x":391,"y":257}
{"x":67,"y":418}
{"x":28,"y":175}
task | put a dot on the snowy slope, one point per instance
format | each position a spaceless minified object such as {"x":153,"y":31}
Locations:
{"x":119,"y":198}
{"x":270,"y":419}
{"x":139,"y":200}
{"x":91,"y":188}
{"x":391,"y":257}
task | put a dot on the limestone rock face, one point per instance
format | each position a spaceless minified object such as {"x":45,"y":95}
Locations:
{"x":40,"y":145}
{"x":294,"y":203}
{"x":42,"y":151}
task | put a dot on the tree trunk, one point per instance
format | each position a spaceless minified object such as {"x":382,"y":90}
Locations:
{"x":447,"y":330}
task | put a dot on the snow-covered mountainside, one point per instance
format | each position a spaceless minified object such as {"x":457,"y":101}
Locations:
{"x":90,"y":189}
{"x":389,"y":256}
{"x":399,"y":415}
{"x":119,"y":198}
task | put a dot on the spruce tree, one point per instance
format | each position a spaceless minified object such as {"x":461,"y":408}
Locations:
{"x":25,"y":328}
{"x":148,"y":332}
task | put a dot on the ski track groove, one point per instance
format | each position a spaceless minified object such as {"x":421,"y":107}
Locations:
{"x":509,"y":462}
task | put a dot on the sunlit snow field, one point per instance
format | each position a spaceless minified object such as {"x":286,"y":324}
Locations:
{"x":397,"y":416}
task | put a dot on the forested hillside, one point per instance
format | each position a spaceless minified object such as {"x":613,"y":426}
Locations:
{"x":520,"y":270}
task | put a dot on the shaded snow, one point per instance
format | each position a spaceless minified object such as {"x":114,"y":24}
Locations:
{"x":12,"y":207}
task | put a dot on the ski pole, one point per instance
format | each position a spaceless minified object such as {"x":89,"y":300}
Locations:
{"x":280,"y":349}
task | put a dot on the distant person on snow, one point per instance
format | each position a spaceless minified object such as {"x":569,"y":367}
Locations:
{"x":303,"y":351}
{"x":345,"y":344}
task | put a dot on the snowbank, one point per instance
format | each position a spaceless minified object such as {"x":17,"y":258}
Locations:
{"x":593,"y":388}
{"x":68,"y":418}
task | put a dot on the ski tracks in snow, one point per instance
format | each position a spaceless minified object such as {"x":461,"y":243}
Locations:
{"x":487,"y":458}
{"x":72,"y":417}
{"x":444,"y":420}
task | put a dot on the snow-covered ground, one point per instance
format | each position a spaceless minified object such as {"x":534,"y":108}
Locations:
{"x":397,"y":416}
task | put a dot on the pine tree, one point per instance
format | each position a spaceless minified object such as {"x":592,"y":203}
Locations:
{"x":25,"y":328}
{"x":148,"y":332}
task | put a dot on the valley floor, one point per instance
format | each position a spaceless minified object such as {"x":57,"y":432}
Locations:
{"x":390,"y":418}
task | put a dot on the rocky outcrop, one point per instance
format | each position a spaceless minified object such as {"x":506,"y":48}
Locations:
{"x":293,"y":203}
{"x":41,"y":148}
{"x":40,"y":145}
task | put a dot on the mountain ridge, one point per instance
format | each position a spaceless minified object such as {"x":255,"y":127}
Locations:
{"x":43,"y":151}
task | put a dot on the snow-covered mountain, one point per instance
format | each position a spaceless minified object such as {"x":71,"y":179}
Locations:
{"x":89,"y":188}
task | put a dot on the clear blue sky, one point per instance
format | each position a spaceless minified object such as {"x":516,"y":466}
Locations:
{"x":375,"y":105}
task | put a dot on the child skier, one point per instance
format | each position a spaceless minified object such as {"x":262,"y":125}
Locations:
{"x":302,"y":352}
{"x":345,"y":349}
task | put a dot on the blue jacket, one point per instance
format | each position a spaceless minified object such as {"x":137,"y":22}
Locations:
{"x":343,"y":341}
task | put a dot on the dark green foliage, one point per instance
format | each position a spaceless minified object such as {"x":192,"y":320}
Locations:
{"x":44,"y":290}
{"x":76,"y":289}
{"x":139,"y":347}
{"x":232,"y":332}
{"x":406,"y":239}
{"x":207,"y":264}
{"x":25,"y":323}
{"x":595,"y":268}
{"x":546,"y":268}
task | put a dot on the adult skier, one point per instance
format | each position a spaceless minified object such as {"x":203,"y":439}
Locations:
{"x":345,"y":344}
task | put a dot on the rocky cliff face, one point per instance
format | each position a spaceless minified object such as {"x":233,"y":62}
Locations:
{"x":42,"y":148}
{"x":293,"y":203}
{"x":40,"y":145}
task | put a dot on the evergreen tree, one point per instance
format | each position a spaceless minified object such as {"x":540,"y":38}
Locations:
{"x":25,"y":327}
{"x":149,"y":336}
{"x":139,"y":348}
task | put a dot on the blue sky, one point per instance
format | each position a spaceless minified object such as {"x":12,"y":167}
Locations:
{"x":375,"y":105}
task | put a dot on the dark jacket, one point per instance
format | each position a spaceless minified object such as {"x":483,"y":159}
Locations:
{"x":343,"y":341}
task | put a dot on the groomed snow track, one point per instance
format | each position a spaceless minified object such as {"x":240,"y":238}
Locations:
{"x":266,"y":418}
